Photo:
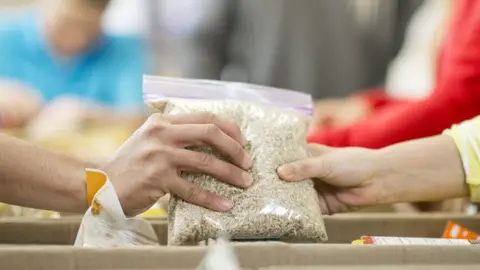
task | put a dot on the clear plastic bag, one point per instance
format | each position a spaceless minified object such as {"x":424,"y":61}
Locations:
{"x":275,"y":123}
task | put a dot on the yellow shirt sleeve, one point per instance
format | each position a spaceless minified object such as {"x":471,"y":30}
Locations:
{"x":467,"y":138}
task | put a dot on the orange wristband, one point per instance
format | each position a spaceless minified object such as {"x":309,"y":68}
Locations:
{"x":95,"y":181}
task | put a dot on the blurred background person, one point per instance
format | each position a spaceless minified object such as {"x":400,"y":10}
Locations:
{"x":325,"y":48}
{"x":411,"y":75}
{"x":382,"y":118}
{"x":60,"y":50}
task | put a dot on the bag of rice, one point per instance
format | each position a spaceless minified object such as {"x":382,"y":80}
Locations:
{"x":275,"y":123}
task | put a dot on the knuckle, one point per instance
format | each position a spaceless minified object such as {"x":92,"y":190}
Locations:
{"x":235,"y":128}
{"x":212,"y":130}
{"x":207,"y":198}
{"x":165,"y":150}
{"x":193,"y":194}
{"x":153,"y":169}
{"x":208,"y":117}
{"x":156,"y":117}
{"x":155,"y":152}
{"x":151,"y":172}
{"x":151,"y":158}
{"x":204,"y":160}
{"x":238,"y":150}
{"x":154,"y":128}
{"x":325,"y":169}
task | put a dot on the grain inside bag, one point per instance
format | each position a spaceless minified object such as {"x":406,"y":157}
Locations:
{"x":275,"y":123}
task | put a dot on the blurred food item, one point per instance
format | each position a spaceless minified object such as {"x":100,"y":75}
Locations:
{"x":388,"y":240}
{"x":95,"y":144}
{"x":7,"y":210}
{"x":66,"y":125}
{"x":457,"y":231}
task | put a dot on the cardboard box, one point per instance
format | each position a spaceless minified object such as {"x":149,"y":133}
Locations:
{"x":379,"y":267}
{"x":341,"y":228}
{"x":256,"y":255}
{"x":250,"y":255}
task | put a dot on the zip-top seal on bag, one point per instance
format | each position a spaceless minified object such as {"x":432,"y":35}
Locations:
{"x":166,"y":88}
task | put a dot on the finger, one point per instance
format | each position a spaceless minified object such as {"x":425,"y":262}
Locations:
{"x":304,"y":169}
{"x":201,"y":162}
{"x":192,"y":193}
{"x":212,"y":135}
{"x":227,"y":126}
{"x":315,"y":149}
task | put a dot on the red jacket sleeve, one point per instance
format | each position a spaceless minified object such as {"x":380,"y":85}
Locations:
{"x":455,"y":98}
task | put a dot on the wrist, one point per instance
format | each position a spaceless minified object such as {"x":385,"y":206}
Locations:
{"x":121,"y":188}
{"x":420,"y":171}
{"x":382,"y":176}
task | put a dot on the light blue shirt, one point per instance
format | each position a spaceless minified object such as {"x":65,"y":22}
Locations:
{"x":110,"y":73}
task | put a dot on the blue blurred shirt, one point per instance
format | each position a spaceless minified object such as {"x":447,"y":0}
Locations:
{"x":110,"y":73}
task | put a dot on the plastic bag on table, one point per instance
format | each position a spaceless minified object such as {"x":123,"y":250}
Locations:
{"x":105,"y":224}
{"x":220,"y":256}
{"x":275,"y":123}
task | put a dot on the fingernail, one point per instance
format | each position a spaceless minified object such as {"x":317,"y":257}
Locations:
{"x":225,"y":204}
{"x":286,"y":171}
{"x":247,"y":179}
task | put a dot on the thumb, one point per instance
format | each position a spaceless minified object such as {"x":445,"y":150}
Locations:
{"x":304,"y":169}
{"x":315,"y":150}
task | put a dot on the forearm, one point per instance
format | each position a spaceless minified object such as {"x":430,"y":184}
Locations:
{"x":422,"y":170}
{"x":35,"y":177}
